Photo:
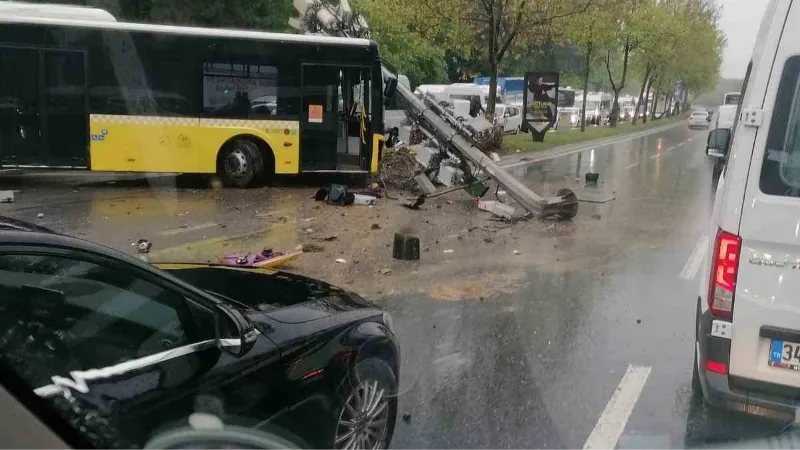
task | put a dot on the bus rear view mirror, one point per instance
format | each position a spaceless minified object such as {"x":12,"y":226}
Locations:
{"x":389,"y":90}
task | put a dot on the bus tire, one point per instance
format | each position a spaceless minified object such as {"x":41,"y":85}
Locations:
{"x":240,"y":163}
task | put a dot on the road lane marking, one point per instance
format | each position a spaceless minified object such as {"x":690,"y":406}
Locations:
{"x":695,"y":259}
{"x":175,"y":231}
{"x":612,"y":422}
{"x":631,"y":166}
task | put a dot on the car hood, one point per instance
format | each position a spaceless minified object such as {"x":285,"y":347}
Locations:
{"x":283,"y":296}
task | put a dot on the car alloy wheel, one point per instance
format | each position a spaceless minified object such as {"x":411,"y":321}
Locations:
{"x":364,"y":417}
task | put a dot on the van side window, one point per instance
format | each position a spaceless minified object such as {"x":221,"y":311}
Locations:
{"x":780,"y":172}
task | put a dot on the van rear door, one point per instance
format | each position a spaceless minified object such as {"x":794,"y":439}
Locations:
{"x":766,"y":305}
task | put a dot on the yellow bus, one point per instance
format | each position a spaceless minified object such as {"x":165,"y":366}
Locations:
{"x":109,"y":96}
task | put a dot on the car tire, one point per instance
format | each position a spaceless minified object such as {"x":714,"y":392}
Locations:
{"x":368,"y":377}
{"x":240,"y":164}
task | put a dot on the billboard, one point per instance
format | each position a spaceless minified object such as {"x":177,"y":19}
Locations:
{"x":540,"y":103}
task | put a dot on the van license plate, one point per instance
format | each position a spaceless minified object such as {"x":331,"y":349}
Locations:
{"x":785,"y":355}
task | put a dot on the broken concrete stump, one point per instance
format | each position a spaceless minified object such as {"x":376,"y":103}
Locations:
{"x":499,"y":209}
{"x":449,"y":176}
{"x":406,"y":247}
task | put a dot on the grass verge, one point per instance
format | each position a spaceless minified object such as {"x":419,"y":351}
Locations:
{"x":523,"y":142}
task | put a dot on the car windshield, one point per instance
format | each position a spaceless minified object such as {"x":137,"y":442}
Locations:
{"x":410,"y":224}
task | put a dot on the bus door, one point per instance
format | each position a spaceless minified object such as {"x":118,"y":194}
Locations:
{"x":43,"y":111}
{"x":320,"y":117}
{"x":335,"y":126}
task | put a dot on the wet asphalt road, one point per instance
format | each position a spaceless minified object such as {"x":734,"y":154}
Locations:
{"x":536,"y":368}
{"x":532,"y":367}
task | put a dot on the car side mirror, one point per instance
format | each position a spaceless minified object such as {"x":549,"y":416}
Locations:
{"x":718,"y":142}
{"x":236,"y":335}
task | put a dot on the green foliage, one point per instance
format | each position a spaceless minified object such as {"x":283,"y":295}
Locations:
{"x":410,"y":53}
{"x":437,"y":41}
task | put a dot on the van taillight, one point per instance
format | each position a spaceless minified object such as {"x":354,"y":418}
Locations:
{"x":724,"y":268}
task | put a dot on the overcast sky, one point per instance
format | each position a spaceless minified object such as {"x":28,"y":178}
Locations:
{"x":740,"y":22}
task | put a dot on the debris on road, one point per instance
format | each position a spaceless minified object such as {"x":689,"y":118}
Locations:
{"x":449,"y":250}
{"x":411,"y":201}
{"x":386,"y":271}
{"x":361,"y":199}
{"x":330,"y":238}
{"x":143,"y":246}
{"x":341,"y":261}
{"x":501,"y":210}
{"x":516,"y":252}
{"x":375,"y":226}
{"x":265,"y":258}
{"x":40,"y":215}
{"x":6,"y":196}
{"x":405,"y":247}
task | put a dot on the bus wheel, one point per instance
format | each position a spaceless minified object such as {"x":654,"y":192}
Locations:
{"x":240,"y":163}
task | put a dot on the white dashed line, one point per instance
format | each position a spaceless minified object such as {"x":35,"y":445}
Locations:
{"x":695,"y":259}
{"x":612,"y":422}
{"x":631,"y":166}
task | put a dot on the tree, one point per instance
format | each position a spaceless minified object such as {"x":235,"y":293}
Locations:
{"x":495,"y":29}
{"x":585,"y":30}
{"x":391,"y":26}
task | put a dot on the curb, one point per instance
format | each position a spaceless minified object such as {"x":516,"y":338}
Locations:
{"x":521,"y":159}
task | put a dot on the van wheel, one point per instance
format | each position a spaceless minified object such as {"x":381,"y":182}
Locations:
{"x":240,"y":163}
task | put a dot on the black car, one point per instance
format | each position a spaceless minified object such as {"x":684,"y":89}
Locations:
{"x":121,"y":350}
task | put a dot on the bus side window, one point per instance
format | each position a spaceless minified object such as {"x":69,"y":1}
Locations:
{"x":239,"y":90}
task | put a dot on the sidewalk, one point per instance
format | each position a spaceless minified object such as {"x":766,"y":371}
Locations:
{"x":523,"y":158}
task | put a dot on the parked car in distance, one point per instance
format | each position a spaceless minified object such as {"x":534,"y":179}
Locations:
{"x":747,"y":342}
{"x":121,"y":350}
{"x":698,"y":119}
{"x":512,"y":119}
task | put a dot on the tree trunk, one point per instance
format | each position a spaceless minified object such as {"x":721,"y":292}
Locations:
{"x":614,"y":118}
{"x":586,"y":74}
{"x":647,"y":101}
{"x":655,"y":105}
{"x":492,"y":91}
{"x":492,"y":71}
{"x":641,"y":93}
{"x":668,"y":105}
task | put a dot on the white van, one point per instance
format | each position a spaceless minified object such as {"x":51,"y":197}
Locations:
{"x":747,"y":352}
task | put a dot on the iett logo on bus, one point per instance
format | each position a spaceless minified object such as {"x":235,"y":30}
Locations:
{"x":101,"y":136}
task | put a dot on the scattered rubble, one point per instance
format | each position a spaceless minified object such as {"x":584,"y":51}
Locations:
{"x":40,"y":215}
{"x":143,"y":246}
{"x":341,"y":261}
{"x":6,"y":196}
